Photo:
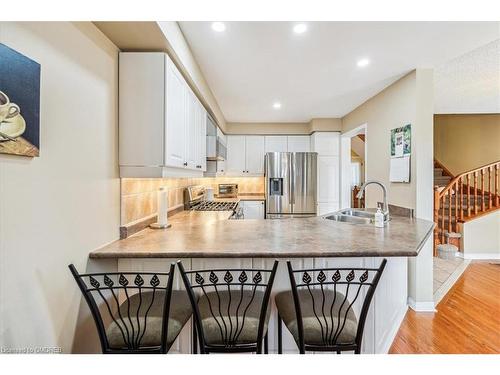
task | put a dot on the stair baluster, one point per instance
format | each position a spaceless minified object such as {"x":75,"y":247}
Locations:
{"x":462,"y":194}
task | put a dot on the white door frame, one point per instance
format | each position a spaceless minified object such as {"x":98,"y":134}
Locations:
{"x":345,"y":163}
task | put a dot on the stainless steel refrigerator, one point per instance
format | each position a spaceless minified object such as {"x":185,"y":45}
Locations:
{"x":291,"y":179}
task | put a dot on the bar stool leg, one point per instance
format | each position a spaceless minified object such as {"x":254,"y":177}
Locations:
{"x":266,"y":343}
{"x":280,"y":339}
{"x":195,"y":338}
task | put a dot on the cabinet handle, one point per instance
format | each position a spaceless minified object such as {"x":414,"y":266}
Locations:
{"x":185,"y":164}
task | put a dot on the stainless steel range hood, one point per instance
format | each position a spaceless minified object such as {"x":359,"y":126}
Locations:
{"x":216,"y":149}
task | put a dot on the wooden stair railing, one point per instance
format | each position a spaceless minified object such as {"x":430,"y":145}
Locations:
{"x":467,"y":196}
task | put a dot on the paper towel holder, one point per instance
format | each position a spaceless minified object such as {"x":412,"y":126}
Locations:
{"x":162,"y":217}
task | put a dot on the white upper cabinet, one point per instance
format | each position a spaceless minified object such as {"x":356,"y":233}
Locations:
{"x":202,"y":137}
{"x":245,"y":155}
{"x":191,"y":143}
{"x":142,"y":127}
{"x":162,"y":122}
{"x":299,"y":143}
{"x":236,"y":157}
{"x":254,"y":155}
{"x":276,"y":143}
{"x":326,"y":143}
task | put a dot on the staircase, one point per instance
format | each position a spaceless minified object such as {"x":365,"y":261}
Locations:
{"x":441,"y":179}
{"x":458,"y":199}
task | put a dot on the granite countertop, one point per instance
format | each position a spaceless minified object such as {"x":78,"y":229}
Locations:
{"x":209,"y":234}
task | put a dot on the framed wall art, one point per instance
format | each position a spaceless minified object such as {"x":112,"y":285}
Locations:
{"x":19,"y":104}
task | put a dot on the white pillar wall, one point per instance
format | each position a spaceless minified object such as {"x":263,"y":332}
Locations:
{"x":420,"y":275}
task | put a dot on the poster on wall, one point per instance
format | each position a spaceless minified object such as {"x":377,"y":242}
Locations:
{"x":399,"y":169}
{"x":401,"y":141}
{"x":19,"y":104}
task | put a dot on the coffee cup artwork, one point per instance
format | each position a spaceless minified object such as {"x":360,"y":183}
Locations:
{"x":12,"y":124}
{"x":19,"y":103}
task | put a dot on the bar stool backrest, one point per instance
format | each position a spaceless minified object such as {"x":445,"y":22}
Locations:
{"x":217,"y":284}
{"x":105,"y":292}
{"x":333,"y":315}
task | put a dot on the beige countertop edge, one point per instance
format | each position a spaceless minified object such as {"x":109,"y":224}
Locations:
{"x":205,"y":254}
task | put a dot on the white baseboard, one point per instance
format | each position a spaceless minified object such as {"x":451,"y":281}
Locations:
{"x":481,"y":256}
{"x":425,"y":306}
{"x":389,"y":339}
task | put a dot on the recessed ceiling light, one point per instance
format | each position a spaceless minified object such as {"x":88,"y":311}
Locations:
{"x":363,"y":62}
{"x":218,"y":26}
{"x":300,"y":28}
{"x":277,"y":105}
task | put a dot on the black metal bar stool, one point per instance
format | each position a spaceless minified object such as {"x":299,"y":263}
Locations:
{"x":231,"y":308}
{"x":145,"y":314}
{"x":319,"y":313}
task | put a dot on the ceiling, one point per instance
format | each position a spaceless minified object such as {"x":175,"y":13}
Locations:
{"x":470,"y":83}
{"x":252,"y":65}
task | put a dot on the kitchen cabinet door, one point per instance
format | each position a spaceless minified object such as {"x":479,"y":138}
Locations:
{"x":202,"y":137}
{"x":221,"y":168}
{"x":326,"y":143}
{"x":235,"y":162}
{"x":327,"y":208}
{"x":254,"y":149}
{"x":253,"y":209}
{"x":192,"y":140}
{"x":328,"y":179}
{"x":299,"y":143}
{"x":276,"y":143}
{"x":175,"y":132}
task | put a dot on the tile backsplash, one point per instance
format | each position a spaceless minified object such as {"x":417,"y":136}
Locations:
{"x":138,"y":195}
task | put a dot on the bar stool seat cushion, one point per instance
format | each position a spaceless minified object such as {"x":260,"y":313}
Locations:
{"x":180,"y":312}
{"x":316,"y":333}
{"x":239,"y":324}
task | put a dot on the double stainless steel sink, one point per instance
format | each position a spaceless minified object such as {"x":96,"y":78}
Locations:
{"x":356,"y":215}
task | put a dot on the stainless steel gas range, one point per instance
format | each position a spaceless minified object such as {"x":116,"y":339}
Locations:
{"x":195,"y":200}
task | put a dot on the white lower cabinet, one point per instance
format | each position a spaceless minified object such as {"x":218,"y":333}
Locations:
{"x":252,"y":209}
{"x":327,"y":207}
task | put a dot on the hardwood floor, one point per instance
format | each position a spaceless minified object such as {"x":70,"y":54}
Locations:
{"x":467,"y":318}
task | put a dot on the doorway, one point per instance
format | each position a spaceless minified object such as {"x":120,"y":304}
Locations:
{"x":353,"y":166}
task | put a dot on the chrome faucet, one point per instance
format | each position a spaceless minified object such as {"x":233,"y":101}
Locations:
{"x":362,"y":189}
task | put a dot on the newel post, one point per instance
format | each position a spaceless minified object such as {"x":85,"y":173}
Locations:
{"x":436,"y":218}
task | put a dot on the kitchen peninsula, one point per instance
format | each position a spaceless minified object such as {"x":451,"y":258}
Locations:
{"x":208,"y":239}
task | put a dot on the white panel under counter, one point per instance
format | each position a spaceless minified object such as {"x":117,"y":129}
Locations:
{"x":183,"y":342}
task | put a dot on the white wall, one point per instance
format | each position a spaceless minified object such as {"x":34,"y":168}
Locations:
{"x":481,"y":237}
{"x":393,"y":107}
{"x":408,"y":100}
{"x":56,"y":208}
